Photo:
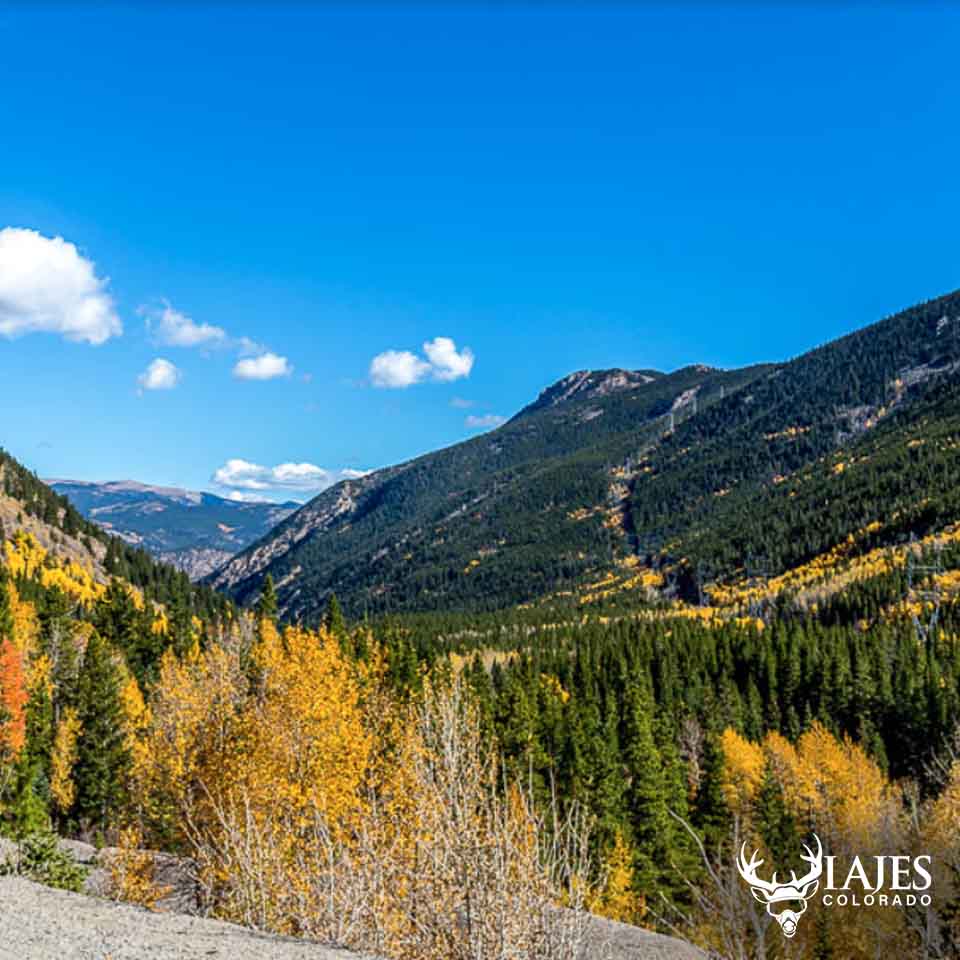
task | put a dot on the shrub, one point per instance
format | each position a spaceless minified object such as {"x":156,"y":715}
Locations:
{"x":40,"y":858}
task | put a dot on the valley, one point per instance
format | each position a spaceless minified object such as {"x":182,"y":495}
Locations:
{"x":679,"y":605}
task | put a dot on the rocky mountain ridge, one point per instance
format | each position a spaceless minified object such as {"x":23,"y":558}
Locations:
{"x":493,"y":519}
{"x":609,"y":465}
{"x":191,"y":530}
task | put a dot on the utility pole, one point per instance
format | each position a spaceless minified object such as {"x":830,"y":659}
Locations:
{"x":703,"y":574}
{"x":923,"y":587}
{"x":758,"y":572}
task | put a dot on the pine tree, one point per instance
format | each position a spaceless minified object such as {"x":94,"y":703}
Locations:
{"x":608,"y":782}
{"x":711,"y":816}
{"x":684,"y":856}
{"x":179,"y":619}
{"x":101,"y":753}
{"x":266,"y":606}
{"x":333,"y":617}
{"x":646,"y":794}
{"x":778,"y":827}
{"x":121,"y":625}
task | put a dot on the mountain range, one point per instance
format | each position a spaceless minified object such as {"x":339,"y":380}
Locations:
{"x":195,"y":532}
{"x":707,"y":474}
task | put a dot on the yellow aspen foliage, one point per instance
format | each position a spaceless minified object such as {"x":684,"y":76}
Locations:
{"x":552,"y":685}
{"x":315,"y":802}
{"x":40,"y":675}
{"x":160,"y":625}
{"x":843,"y":787}
{"x":617,"y":899}
{"x":25,"y":557}
{"x":132,"y":871}
{"x":192,"y":743}
{"x":943,"y":822}
{"x":62,"y":759}
{"x":136,"y":713}
{"x":26,"y":626}
{"x":941,"y":837}
{"x":743,"y":770}
{"x":306,"y":743}
{"x":783,"y":758}
{"x":833,"y":788}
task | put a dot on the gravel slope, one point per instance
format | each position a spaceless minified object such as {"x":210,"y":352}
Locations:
{"x":37,"y":923}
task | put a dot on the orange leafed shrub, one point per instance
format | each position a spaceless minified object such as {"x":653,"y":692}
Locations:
{"x":13,"y":699}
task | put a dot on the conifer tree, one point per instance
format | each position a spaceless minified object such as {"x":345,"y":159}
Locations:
{"x":608,"y":781}
{"x":711,"y":816}
{"x":179,"y":619}
{"x":646,"y":794}
{"x":101,"y":752}
{"x":266,"y":607}
{"x":778,"y":827}
{"x":684,"y":856}
{"x":333,"y":617}
{"x":120,"y":624}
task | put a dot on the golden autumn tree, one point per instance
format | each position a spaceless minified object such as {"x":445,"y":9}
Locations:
{"x":316,"y":803}
{"x":250,"y":745}
{"x":617,"y":899}
{"x":743,"y":770}
{"x":62,"y":759}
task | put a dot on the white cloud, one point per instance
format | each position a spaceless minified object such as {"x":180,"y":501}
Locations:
{"x":446,"y":362}
{"x":176,"y":329}
{"x":46,"y":286}
{"x":486,"y":422}
{"x":400,"y":368}
{"x":248,"y":348}
{"x":268,"y":366}
{"x":242,"y":496}
{"x":242,"y":476}
{"x":173,"y":328}
{"x":461,"y":404}
{"x":160,"y":375}
{"x":397,"y":369}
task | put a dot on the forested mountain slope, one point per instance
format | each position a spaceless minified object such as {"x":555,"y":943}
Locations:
{"x":715,"y":474}
{"x":29,"y":506}
{"x":881,"y":379}
{"x":194,"y":531}
{"x":498,"y":519}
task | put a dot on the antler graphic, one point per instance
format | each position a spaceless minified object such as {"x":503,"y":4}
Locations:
{"x":748,"y":870}
{"x":816,"y":864}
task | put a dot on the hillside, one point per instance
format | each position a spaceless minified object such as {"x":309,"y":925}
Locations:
{"x":708,"y":467}
{"x":512,"y":514}
{"x":65,"y":540}
{"x":195,"y":532}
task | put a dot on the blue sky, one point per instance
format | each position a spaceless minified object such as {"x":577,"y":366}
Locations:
{"x":549,"y":187}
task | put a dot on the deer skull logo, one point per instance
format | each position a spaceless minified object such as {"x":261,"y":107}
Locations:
{"x":796,"y":893}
